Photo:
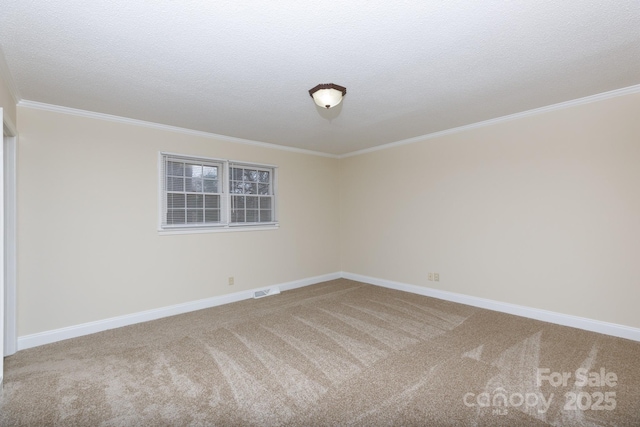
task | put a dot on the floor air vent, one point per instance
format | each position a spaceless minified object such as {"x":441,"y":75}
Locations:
{"x":266,"y":292}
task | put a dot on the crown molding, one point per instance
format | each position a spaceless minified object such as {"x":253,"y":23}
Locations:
{"x":560,"y":106}
{"x":108,"y":117}
{"x":135,"y":122}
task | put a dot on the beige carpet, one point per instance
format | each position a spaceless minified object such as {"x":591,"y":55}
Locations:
{"x":336,"y":353}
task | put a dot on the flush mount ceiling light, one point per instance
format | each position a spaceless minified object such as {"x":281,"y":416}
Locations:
{"x":327,"y":95}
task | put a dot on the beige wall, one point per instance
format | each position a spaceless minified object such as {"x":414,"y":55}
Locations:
{"x":7,"y":103}
{"x":87,"y":213}
{"x":542,"y":211}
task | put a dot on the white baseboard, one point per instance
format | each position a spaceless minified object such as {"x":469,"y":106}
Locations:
{"x":519,"y":310}
{"x":47,"y":337}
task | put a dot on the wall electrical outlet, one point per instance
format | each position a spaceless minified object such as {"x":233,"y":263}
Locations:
{"x":436,"y":277}
{"x":231,"y":281}
{"x":431,"y":277}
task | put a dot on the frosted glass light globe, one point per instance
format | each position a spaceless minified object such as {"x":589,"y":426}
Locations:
{"x":327,"y":95}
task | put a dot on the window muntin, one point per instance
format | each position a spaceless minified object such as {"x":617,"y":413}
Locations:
{"x":212,"y":193}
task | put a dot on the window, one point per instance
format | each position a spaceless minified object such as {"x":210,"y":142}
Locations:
{"x":251,"y":191}
{"x":201,"y":193}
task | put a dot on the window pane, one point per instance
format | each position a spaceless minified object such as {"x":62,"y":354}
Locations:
{"x":194,"y":215}
{"x":210,"y":186}
{"x":252,"y":215}
{"x":237,"y":202}
{"x":194,"y":200}
{"x":251,"y":175}
{"x":175,"y":200}
{"x":236,"y":187}
{"x":193,"y":184}
{"x":175,"y":168}
{"x":252,"y":202}
{"x":175,"y":184}
{"x":236,"y":174}
{"x":210,"y":172}
{"x":193,"y":170}
{"x":265,"y":216}
{"x":263,"y":189}
{"x":265,"y":202}
{"x":263,"y":176}
{"x":250,"y":188}
{"x":237,"y":216}
{"x":212,"y":215}
{"x":175,"y":216}
{"x":212,"y":202}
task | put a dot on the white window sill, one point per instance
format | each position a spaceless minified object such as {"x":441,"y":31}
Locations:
{"x":223,"y":229}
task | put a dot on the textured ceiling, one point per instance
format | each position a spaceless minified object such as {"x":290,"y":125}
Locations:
{"x":243,"y":68}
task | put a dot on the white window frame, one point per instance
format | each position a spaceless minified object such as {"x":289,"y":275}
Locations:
{"x":225,"y":224}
